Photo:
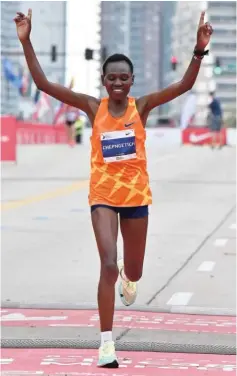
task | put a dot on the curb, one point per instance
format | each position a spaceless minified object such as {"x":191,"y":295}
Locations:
{"x":120,"y":346}
{"x":191,"y":310}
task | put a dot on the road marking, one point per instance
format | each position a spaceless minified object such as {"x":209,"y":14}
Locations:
{"x":63,"y":191}
{"x":233,"y":226}
{"x":206,"y":266}
{"x":180,"y":298}
{"x":22,"y":317}
{"x":220,"y":242}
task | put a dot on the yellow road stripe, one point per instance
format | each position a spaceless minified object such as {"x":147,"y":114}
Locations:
{"x":45,"y":196}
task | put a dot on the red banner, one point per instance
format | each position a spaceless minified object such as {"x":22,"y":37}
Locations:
{"x":8,"y":138}
{"x":200,"y":136}
{"x":28,"y":133}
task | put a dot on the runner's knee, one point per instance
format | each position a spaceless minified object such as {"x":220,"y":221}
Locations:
{"x":109,"y":271}
{"x":133,"y":274}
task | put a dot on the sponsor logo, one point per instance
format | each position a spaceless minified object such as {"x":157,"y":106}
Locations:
{"x":194,"y":138}
{"x":129,"y":124}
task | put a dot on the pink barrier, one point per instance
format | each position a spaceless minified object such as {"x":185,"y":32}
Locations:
{"x":8,"y":139}
{"x":200,"y":136}
{"x":28,"y":133}
{"x":19,"y":132}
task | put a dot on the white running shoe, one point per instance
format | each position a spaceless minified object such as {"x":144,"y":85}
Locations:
{"x":107,"y":356}
{"x":127,"y":289}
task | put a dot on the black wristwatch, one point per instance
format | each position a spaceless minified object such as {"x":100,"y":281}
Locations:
{"x":200,"y":53}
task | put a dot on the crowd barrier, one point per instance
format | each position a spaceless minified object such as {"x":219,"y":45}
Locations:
{"x":8,"y":139}
{"x":15,"y":133}
{"x":27,"y":133}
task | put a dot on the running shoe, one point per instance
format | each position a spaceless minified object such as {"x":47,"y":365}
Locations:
{"x":107,"y":356}
{"x":127,"y":289}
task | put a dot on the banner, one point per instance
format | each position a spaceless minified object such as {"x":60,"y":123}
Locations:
{"x":200,"y":136}
{"x":8,"y":139}
{"x":28,"y":133}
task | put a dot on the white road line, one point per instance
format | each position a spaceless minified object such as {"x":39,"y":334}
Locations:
{"x":180,"y":298}
{"x":233,"y":226}
{"x":220,"y":242}
{"x":206,"y":266}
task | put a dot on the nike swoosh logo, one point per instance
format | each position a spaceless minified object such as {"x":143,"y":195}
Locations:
{"x":129,"y":125}
{"x":197,"y":138}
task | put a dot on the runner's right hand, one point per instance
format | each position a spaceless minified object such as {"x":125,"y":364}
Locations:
{"x":23,"y":25}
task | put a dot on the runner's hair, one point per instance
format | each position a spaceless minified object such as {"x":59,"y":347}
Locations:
{"x":117,"y":58}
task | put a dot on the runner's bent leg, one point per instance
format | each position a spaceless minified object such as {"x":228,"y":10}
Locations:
{"x":134,"y":233}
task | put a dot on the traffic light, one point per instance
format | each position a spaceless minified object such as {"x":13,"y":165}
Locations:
{"x":174,"y":63}
{"x":88,"y":54}
{"x":217,"y":66}
{"x":53,"y":53}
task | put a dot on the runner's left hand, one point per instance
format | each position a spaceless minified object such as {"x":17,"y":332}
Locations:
{"x":204,"y":33}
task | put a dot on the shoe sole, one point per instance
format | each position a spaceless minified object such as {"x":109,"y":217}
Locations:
{"x":114,"y":364}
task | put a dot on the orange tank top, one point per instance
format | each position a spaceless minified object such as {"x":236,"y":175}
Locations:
{"x":118,"y":159}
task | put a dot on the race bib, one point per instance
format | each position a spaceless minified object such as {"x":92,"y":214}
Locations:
{"x":118,"y":146}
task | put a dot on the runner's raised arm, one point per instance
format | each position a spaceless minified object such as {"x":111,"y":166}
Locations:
{"x":84,"y":102}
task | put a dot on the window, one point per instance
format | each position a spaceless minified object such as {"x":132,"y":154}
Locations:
{"x":226,"y":87}
{"x":224,"y":46}
{"x":225,"y":33}
{"x":228,"y":73}
{"x":229,"y":19}
{"x":221,"y":4}
{"x":227,"y":60}
{"x":230,"y":101}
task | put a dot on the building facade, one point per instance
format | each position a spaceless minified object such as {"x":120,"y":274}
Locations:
{"x":133,"y":28}
{"x":222,"y":16}
{"x":9,"y":44}
{"x":47,"y":31}
{"x":167,"y":14}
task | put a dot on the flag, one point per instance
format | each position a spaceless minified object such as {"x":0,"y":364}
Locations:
{"x":36,"y":96}
{"x":43,"y":105}
{"x":21,"y":80}
{"x":10,"y":75}
{"x":26,"y":79}
{"x":61,"y":109}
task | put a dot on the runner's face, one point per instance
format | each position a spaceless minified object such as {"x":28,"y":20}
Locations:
{"x":118,"y":80}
